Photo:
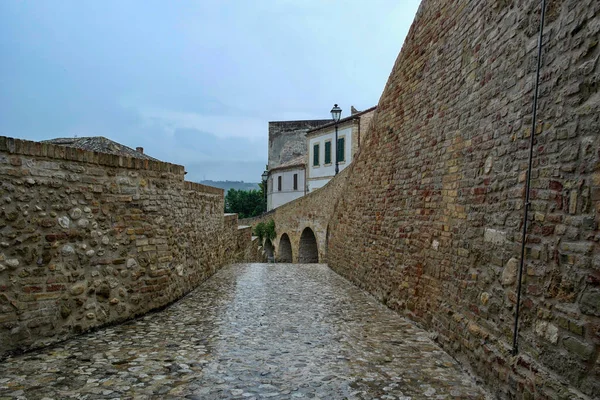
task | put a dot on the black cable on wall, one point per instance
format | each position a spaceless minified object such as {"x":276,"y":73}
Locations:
{"x":515,"y":348}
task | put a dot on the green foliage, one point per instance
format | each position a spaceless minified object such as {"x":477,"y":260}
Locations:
{"x":261,"y":187}
{"x":259,"y":230}
{"x":246,"y":203}
{"x":270,"y":230}
{"x":265,"y":230}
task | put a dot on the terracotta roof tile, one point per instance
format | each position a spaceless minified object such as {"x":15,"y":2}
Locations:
{"x":294,"y":162}
{"x":101,"y":145}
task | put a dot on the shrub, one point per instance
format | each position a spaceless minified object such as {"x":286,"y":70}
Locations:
{"x":265,"y":230}
{"x":259,"y":230}
{"x":269,"y":230}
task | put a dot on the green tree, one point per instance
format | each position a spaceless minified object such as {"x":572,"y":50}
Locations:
{"x":270,"y":230}
{"x":259,"y":231}
{"x":265,"y":230}
{"x":261,"y":187}
{"x":246,"y":203}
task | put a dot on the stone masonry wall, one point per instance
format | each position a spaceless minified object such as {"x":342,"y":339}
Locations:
{"x":287,"y":139}
{"x":363,"y":129}
{"x":88,"y":239}
{"x":430,"y":220}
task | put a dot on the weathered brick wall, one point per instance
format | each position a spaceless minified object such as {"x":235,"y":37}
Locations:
{"x":362,"y":131}
{"x":431,"y":213}
{"x":88,"y":239}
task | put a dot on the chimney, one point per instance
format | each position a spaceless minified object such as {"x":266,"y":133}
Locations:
{"x":139,"y":150}
{"x":353,"y":110}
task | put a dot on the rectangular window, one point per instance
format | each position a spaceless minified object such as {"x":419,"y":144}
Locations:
{"x":295,"y":181}
{"x":316,"y":155}
{"x":328,"y":152}
{"x":279,"y":183}
{"x":341,"y":150}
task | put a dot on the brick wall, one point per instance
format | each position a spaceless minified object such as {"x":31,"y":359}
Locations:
{"x":431,"y":214}
{"x":363,"y":130}
{"x":88,"y":239}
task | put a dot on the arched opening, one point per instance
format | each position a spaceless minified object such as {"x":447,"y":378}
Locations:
{"x":285,"y":249}
{"x":308,"y":252}
{"x":269,"y":250}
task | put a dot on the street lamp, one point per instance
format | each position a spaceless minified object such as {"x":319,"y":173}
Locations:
{"x":336,"y":113}
{"x":265,"y":175}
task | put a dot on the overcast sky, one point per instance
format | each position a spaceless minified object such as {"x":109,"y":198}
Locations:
{"x":193,"y":82}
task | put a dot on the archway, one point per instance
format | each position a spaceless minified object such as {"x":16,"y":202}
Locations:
{"x":269,"y":250}
{"x":285,"y":249}
{"x":308,"y":252}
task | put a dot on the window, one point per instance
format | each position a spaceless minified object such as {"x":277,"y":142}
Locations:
{"x":295,"y":181}
{"x":279,"y":183}
{"x":328,"y":152}
{"x":341,"y":153}
{"x":316,"y":155}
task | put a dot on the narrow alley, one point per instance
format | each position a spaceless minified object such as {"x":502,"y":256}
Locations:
{"x":257,"y":331}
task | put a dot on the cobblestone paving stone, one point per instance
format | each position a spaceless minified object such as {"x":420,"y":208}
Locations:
{"x":252,"y":331}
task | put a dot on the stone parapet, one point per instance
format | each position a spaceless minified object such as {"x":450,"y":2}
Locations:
{"x":89,"y":239}
{"x":51,"y":151}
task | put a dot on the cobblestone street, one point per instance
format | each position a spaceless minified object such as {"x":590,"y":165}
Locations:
{"x":251,"y":331}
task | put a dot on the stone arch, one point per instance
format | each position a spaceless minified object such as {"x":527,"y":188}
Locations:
{"x":269,"y":250}
{"x":308,"y":251}
{"x":285,"y":249}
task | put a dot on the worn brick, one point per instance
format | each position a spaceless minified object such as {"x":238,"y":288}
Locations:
{"x":581,"y":349}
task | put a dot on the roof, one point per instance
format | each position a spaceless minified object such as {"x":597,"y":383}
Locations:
{"x":99,"y":144}
{"x":349,"y":118}
{"x":294,"y":162}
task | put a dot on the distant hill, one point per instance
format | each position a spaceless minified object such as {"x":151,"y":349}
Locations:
{"x":226,"y":185}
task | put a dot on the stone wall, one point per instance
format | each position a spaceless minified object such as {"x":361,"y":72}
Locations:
{"x":89,"y":239}
{"x":287,"y":139}
{"x":430,"y":220}
{"x":363,"y":129}
{"x":255,"y":220}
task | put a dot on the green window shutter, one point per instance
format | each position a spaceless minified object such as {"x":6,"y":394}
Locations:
{"x":316,"y":155}
{"x":341,"y":150}
{"x":327,"y":152}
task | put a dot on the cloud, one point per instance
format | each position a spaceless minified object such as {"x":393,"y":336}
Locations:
{"x":224,"y":126}
{"x":207,"y":156}
{"x":194,"y":83}
{"x":224,"y":170}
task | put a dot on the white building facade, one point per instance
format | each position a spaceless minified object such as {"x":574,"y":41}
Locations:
{"x":321,"y":159}
{"x":322,"y":148}
{"x":286,"y":182}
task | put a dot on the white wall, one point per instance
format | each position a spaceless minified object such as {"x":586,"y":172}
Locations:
{"x":275,"y":197}
{"x":327,"y":171}
{"x":315,"y":184}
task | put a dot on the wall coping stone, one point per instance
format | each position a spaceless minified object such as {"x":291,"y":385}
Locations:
{"x":59,"y":152}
